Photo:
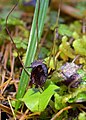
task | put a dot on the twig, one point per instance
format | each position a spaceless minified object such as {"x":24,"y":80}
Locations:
{"x":8,"y":110}
{"x":12,"y":61}
{"x":5,"y":83}
{"x":60,"y":112}
{"x":24,"y":115}
{"x":12,"y":38}
{"x":11,"y":108}
{"x":5,"y":59}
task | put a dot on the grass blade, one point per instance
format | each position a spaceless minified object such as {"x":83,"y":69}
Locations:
{"x":32,"y":45}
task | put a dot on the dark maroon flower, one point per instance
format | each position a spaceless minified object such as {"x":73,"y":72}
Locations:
{"x":70,"y":75}
{"x":39,"y":73}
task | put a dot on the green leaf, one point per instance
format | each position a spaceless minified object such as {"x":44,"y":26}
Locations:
{"x":31,"y":99}
{"x":82,"y":73}
{"x":82,"y":116}
{"x":58,"y":102}
{"x":64,"y":30}
{"x":81,"y":97}
{"x":43,"y":52}
{"x":76,"y":27}
{"x":78,"y":96}
{"x":80,"y":45}
{"x":65,"y":48}
{"x":12,"y":21}
{"x":20,"y":43}
{"x":37,"y":101}
{"x":46,"y":96}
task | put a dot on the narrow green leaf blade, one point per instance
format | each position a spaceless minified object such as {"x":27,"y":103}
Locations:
{"x":31,"y":50}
